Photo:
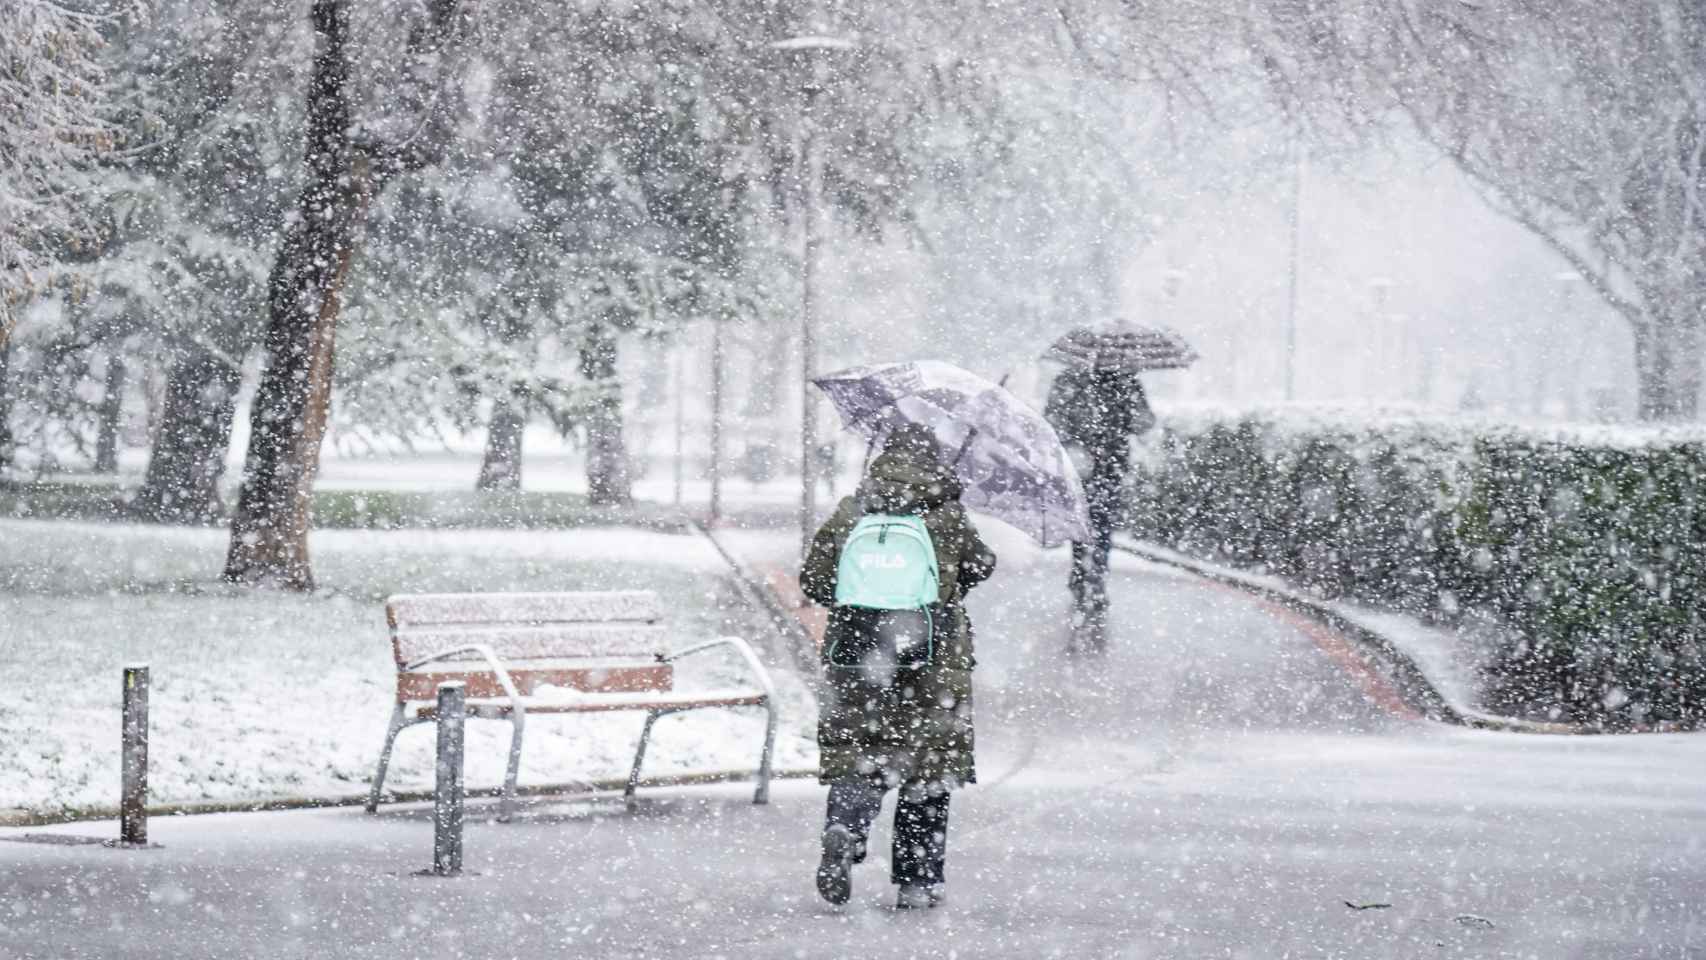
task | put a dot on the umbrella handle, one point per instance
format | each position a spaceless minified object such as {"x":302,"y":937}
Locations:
{"x":964,"y":446}
{"x":972,"y":435}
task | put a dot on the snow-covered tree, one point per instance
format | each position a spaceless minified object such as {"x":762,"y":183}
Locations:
{"x":55,"y":125}
{"x":211,"y":83}
{"x":1585,"y":122}
{"x":629,"y":168}
{"x":354,"y":148}
{"x":186,"y":213}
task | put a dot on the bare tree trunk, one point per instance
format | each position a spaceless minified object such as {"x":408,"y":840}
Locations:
{"x":112,"y":406}
{"x":718,"y":391}
{"x":501,"y":468}
{"x":188,"y":459}
{"x":607,"y":479}
{"x":269,"y":532}
{"x":6,"y":441}
{"x":1668,"y":355}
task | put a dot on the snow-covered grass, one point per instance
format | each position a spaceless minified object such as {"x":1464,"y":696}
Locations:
{"x":258,"y":694}
{"x":552,"y":469}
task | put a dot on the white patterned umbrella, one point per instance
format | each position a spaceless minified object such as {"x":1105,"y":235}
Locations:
{"x":1004,"y":453}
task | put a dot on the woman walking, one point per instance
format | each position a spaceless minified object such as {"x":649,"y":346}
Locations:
{"x":894,"y":564}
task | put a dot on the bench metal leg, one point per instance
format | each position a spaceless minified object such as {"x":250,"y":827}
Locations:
{"x":639,"y":757}
{"x":398,"y":722}
{"x":506,"y":806}
{"x":762,"y":794}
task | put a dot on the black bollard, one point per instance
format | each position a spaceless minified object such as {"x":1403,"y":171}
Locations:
{"x":447,"y":794}
{"x":133,"y":796}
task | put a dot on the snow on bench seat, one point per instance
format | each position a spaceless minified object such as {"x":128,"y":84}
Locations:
{"x":563,"y":700}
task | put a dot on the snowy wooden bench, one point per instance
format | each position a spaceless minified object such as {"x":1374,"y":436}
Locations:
{"x":537,"y":653}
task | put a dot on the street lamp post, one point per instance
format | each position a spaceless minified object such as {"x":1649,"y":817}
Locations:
{"x":679,"y":375}
{"x":715,"y":507}
{"x":1562,"y":330}
{"x":1172,"y":281}
{"x":813,"y":50}
{"x":1296,"y":230}
{"x":1382,"y":368}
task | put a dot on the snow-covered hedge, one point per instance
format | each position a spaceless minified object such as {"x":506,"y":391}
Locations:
{"x":1590,"y":543}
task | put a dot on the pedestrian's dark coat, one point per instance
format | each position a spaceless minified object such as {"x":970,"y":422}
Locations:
{"x":1098,"y":409}
{"x":912,"y":724}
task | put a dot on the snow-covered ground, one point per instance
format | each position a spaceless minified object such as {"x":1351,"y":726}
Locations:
{"x":259,"y":695}
{"x":1216,"y":786}
{"x":549,"y":465}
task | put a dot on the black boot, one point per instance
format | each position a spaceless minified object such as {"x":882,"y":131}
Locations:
{"x":835,"y":870}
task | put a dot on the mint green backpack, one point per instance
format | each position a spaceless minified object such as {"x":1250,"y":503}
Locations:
{"x":886,"y":586}
{"x":888,"y":563}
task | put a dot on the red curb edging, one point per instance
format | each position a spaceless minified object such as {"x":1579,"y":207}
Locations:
{"x":1408,"y":677}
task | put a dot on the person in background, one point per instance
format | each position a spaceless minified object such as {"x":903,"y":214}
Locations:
{"x":1096,"y":410}
{"x":896,"y":713}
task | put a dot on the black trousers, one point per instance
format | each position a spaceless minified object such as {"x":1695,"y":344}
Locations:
{"x":1089,"y":585}
{"x":920,"y":826}
{"x":1089,"y":578}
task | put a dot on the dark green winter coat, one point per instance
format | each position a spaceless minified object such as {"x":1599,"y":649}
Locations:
{"x":911,"y":724}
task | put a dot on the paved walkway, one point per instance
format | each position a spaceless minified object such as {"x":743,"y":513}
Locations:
{"x":1219,"y":785}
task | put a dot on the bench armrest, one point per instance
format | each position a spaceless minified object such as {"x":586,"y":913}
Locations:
{"x":492,"y":662}
{"x":742,"y":647}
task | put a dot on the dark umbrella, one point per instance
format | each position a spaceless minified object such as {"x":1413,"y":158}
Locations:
{"x":1006,"y":456}
{"x":1121,"y":345}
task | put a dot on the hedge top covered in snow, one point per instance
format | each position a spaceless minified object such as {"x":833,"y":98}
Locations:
{"x":1399,"y":421}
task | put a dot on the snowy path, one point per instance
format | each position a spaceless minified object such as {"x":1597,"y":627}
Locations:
{"x":1218,"y":786}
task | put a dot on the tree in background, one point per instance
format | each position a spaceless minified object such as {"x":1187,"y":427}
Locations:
{"x":458,"y":326}
{"x":346,"y":167}
{"x":1584,"y":122}
{"x":509,"y":321}
{"x":577,"y":211}
{"x":606,"y":188}
{"x":622,"y":130}
{"x":55,"y":125}
{"x":173,"y":286}
{"x":216,"y":176}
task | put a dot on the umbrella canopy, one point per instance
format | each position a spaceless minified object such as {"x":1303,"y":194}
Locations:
{"x":1122,"y":345}
{"x":1006,"y":456}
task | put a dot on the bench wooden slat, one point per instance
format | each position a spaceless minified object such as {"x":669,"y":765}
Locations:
{"x":642,"y":640}
{"x":605,"y":704}
{"x":422,"y":685}
{"x":427,"y":609}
